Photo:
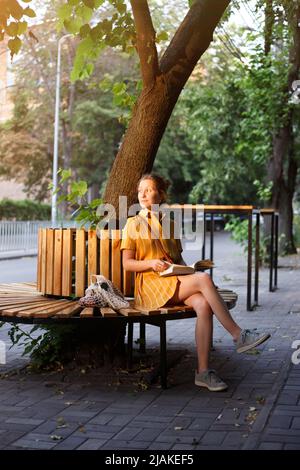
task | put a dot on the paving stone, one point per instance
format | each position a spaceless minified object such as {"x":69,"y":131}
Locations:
{"x":270,"y":446}
{"x":92,"y":444}
{"x":72,"y":442}
{"x":213,"y":437}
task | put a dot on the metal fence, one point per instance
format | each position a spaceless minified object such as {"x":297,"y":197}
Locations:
{"x":23,"y":235}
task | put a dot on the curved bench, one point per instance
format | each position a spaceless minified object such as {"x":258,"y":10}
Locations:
{"x":66,"y":259}
{"x":23,"y":303}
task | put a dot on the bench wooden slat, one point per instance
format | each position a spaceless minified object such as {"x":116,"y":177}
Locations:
{"x":108,"y":312}
{"x":44,"y":260}
{"x":69,"y":311}
{"x":12,"y":303}
{"x":50,"y":260}
{"x":87,"y":312}
{"x":92,"y":253}
{"x":67,"y":263}
{"x":176,"y":308}
{"x":44,"y":312}
{"x":80,"y":261}
{"x":129,"y":312}
{"x":11,"y":311}
{"x":104,"y":253}
{"x":58,"y":250}
{"x":39,"y":260}
{"x":116,"y":277}
{"x":150,"y":312}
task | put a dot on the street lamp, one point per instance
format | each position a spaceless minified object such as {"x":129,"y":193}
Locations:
{"x":56,"y":133}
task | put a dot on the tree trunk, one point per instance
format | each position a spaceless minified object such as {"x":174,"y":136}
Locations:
{"x":141,"y":141}
{"x":283,"y":153}
{"x":162,"y":88}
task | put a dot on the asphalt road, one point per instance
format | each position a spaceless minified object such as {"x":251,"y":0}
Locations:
{"x":18,"y":270}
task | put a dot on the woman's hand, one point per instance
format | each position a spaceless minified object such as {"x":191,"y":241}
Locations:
{"x":158,"y":265}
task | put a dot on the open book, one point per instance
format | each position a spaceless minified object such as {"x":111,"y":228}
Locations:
{"x":179,"y":269}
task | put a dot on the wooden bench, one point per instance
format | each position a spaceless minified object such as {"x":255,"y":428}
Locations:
{"x":66,"y":259}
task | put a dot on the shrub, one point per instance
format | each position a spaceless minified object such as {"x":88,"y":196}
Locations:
{"x":24,"y":210}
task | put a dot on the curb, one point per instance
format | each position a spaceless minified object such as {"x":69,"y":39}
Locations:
{"x":16,"y":255}
{"x":259,"y":425}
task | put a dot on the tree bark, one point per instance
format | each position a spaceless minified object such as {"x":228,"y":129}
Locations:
{"x":162,"y":85}
{"x":283,"y":152}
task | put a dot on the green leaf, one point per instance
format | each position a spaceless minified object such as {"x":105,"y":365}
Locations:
{"x":95,"y":203}
{"x":84,"y":13}
{"x":79,"y":187}
{"x":14,"y":45}
{"x":119,"y":88}
{"x":89,"y":3}
{"x":73,"y":25}
{"x":84,"y":30}
{"x":64,"y":11}
{"x":162,"y":36}
{"x":121,"y":7}
{"x":22,"y":27}
{"x":12,"y":29}
{"x":29,"y":12}
{"x":85,"y":47}
{"x":65,"y":175}
{"x":15,"y":9}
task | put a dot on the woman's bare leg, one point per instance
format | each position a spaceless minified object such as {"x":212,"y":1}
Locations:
{"x":203,"y":331}
{"x":201,"y":282}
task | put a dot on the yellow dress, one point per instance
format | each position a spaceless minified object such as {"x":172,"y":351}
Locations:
{"x":151,"y":290}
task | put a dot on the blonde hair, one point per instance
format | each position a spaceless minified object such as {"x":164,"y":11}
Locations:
{"x":161,"y":184}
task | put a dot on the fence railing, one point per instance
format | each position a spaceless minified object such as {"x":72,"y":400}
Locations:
{"x":23,"y":235}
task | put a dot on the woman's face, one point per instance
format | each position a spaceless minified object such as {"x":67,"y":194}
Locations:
{"x":148,"y":194}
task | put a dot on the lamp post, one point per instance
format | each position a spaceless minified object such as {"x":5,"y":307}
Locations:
{"x":56,"y":133}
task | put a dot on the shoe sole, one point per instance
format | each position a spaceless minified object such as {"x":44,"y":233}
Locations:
{"x":221,"y":388}
{"x":253,"y":345}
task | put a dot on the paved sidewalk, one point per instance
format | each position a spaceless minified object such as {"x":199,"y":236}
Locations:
{"x":260,"y":410}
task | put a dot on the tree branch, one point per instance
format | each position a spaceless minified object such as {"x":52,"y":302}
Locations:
{"x":193,"y":35}
{"x":146,"y":46}
{"x":269,"y":24}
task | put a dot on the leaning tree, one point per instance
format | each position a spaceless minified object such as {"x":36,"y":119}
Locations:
{"x":100,"y":24}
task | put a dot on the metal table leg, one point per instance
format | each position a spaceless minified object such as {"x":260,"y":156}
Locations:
{"x":212,"y":230}
{"x":271,"y":253}
{"x":129,"y":344}
{"x":276,"y":249}
{"x":257,"y":257}
{"x":249,"y":270}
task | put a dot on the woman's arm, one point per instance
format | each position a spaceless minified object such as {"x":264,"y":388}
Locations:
{"x":131,"y":264}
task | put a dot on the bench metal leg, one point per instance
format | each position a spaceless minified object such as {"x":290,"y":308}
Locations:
{"x":249,"y":266}
{"x":129,"y":345}
{"x":163,"y":355}
{"x":276,"y":250}
{"x":142,"y":338}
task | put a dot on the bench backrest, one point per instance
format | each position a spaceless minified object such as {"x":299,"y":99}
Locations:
{"x":68,"y":257}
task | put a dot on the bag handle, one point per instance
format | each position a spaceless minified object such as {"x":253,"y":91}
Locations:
{"x":95,"y":278}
